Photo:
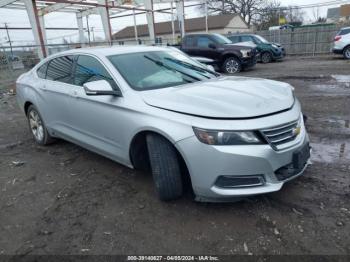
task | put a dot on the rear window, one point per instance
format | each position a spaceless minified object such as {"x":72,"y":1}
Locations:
{"x":41,"y":72}
{"x":60,"y":69}
{"x":190,"y":41}
{"x":234,"y":38}
{"x":344,"y":31}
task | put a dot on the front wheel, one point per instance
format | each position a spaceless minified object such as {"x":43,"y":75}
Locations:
{"x":232,"y":65}
{"x":266,"y":57}
{"x":346,"y":52}
{"x":37,"y":127}
{"x":165,"y":167}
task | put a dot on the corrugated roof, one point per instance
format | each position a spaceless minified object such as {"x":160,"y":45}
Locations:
{"x":191,"y":25}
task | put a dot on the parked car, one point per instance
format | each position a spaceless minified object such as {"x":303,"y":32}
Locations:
{"x":228,"y":57}
{"x":157,"y":109}
{"x":268,"y":52}
{"x":342,"y":43}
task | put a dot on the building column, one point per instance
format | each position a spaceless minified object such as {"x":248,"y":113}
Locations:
{"x":106,"y":23}
{"x":43,"y":30}
{"x":180,"y":9}
{"x":36,"y":28}
{"x":135,"y":27}
{"x":172,"y":23}
{"x":150,"y":20}
{"x":81,"y":29}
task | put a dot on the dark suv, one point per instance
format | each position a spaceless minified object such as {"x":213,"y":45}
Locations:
{"x":230,"y":58}
{"x":268,"y":51}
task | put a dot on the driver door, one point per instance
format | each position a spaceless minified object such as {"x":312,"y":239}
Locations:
{"x":205,"y":47}
{"x":96,"y":120}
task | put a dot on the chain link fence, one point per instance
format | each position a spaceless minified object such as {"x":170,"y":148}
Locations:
{"x":306,"y":40}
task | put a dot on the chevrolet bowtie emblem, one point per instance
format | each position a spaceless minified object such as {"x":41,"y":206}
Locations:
{"x":296,"y":131}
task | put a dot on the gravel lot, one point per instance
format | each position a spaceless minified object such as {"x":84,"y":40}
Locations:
{"x":63,"y":199}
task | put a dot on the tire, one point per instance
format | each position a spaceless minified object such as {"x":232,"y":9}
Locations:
{"x":231,"y":65}
{"x":266,"y":57}
{"x":37,"y":127}
{"x":165,"y":168}
{"x":346,"y":52}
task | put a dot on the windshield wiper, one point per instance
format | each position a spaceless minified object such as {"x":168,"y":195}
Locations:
{"x":194,"y":67}
{"x":160,"y":63}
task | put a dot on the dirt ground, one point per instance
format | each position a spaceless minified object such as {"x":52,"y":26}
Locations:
{"x":63,"y":199}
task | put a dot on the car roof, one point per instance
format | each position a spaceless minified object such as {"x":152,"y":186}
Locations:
{"x":114,"y":50}
{"x":240,"y":34}
{"x":345,"y":28}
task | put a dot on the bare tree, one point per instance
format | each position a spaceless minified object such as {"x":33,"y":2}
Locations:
{"x":294,"y":14}
{"x":250,"y":10}
{"x":269,"y":16}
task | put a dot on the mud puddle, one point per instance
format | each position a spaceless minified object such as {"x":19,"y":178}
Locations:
{"x":327,"y":151}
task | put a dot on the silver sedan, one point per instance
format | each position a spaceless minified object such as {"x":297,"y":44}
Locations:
{"x":157,"y":109}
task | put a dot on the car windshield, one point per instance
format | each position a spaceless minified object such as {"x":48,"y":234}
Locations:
{"x":159,"y":69}
{"x":220,"y":39}
{"x":261,"y":39}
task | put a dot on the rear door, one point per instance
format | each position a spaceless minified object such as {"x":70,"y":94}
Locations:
{"x":55,"y":91}
{"x":189,"y":45}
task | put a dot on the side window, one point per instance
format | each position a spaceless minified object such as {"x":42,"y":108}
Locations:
{"x":246,"y":38}
{"x":41,"y":72}
{"x":190,"y":41}
{"x":234,"y":39}
{"x":89,"y":69}
{"x":204,"y":42}
{"x":344,"y":32}
{"x":60,"y":69}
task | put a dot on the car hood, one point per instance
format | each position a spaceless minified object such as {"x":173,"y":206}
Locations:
{"x":224,"y":97}
{"x":245,"y":44}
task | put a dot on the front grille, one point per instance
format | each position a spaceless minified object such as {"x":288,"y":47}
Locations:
{"x":282,"y":134}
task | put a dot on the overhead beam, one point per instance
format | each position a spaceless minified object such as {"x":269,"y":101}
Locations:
{"x":6,"y":2}
{"x":91,"y":11}
{"x":52,"y":8}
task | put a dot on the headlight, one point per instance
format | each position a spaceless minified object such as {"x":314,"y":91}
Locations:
{"x":245,"y":52}
{"x":216,"y":137}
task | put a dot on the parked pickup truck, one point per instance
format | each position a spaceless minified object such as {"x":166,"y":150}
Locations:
{"x":230,"y":58}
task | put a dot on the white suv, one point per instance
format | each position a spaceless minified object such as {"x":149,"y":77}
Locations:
{"x":342,"y":43}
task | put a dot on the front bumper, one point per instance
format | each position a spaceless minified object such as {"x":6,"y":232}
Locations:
{"x":249,"y":62}
{"x":337,"y":51}
{"x":206,"y":163}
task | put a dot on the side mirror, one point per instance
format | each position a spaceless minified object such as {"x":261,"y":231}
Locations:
{"x":100,"y":88}
{"x":212,"y":46}
{"x":211,"y":68}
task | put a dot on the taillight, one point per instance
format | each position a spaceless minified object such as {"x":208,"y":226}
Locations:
{"x":337,"y":38}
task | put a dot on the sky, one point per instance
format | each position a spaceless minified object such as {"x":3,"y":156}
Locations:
{"x":18,"y":18}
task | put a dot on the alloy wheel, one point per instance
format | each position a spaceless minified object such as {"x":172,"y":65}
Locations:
{"x":232,"y":66}
{"x":36,"y":125}
{"x":347,"y":53}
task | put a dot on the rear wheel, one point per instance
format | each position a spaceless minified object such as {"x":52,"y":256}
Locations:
{"x":165,"y":167}
{"x":346,"y":52}
{"x":37,"y":126}
{"x":232,"y":65}
{"x":266,"y":57}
